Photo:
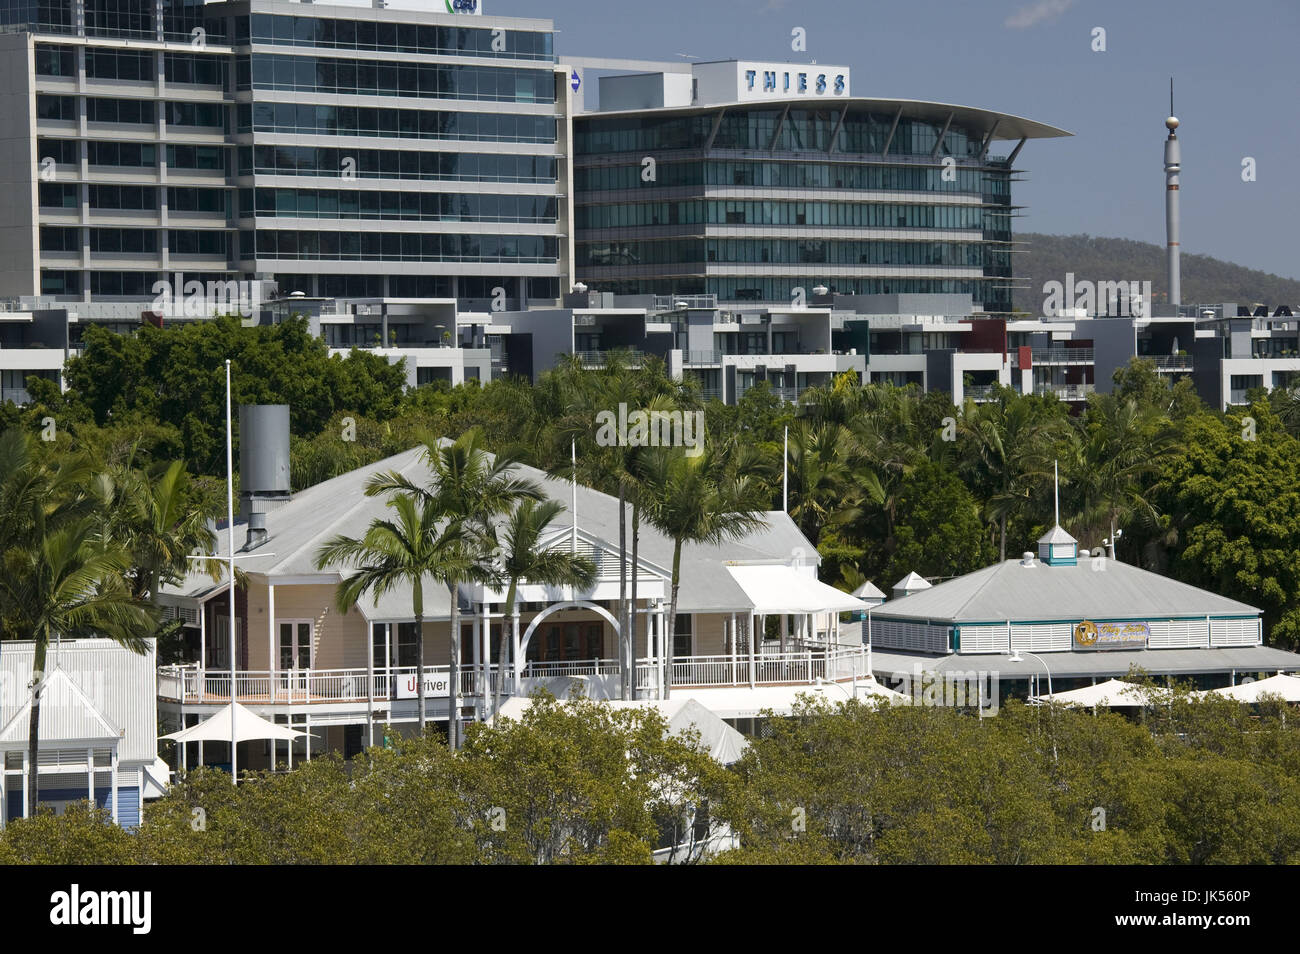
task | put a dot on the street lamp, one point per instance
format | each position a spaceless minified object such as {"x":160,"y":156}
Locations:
{"x":1016,"y":657}
{"x":822,"y":683}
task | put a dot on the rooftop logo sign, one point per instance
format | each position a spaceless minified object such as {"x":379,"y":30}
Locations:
{"x":748,"y":81}
{"x":785,"y":82}
{"x":464,"y":6}
{"x":1092,"y":636}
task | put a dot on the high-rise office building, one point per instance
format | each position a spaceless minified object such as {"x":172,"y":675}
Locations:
{"x":749,"y":180}
{"x":339,"y":149}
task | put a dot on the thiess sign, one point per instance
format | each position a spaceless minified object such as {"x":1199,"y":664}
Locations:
{"x":749,"y":81}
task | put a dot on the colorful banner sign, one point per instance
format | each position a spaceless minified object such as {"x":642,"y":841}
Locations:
{"x":1100,"y":636}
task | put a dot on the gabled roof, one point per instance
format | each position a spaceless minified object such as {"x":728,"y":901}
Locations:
{"x":297,"y":529}
{"x":118,"y":686}
{"x":67,"y":716}
{"x":1095,"y":589}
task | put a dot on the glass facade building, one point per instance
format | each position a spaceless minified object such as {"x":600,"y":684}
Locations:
{"x":750,"y":201}
{"x":352,"y":152}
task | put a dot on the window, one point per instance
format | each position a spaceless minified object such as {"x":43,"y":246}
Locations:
{"x":121,"y":154}
{"x":59,"y":239}
{"x":55,"y":195}
{"x":56,"y":107}
{"x":683,"y":643}
{"x":62,"y":151}
{"x":54,"y":60}
{"x":119,"y":64}
{"x":135,"y":111}
{"x":395,"y":644}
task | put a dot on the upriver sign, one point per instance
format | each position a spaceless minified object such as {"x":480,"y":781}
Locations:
{"x":435,"y":684}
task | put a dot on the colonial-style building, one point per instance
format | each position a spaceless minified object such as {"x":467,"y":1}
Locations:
{"x":98,"y":736}
{"x":341,"y":675}
{"x":1069,"y":618}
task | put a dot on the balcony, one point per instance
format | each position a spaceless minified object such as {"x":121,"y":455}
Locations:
{"x":981,"y":393}
{"x":697,"y":358}
{"x":325,"y":688}
{"x":1066,"y":392}
{"x":1062,"y":356}
{"x":1170,"y":362}
{"x":598,"y":359}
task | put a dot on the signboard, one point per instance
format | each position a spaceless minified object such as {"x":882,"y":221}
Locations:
{"x":436,"y":685}
{"x":747,"y":81}
{"x":464,"y":6}
{"x":1101,"y":636}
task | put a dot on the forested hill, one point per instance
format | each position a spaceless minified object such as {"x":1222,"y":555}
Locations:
{"x":1045,"y":258}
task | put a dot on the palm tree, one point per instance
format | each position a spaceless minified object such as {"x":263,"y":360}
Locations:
{"x":1109,"y":468}
{"x":65,"y":580}
{"x":472,"y":488}
{"x":1008,"y":447}
{"x":700,"y":500}
{"x":523,"y":558}
{"x":421,"y":542}
{"x":820,"y":473}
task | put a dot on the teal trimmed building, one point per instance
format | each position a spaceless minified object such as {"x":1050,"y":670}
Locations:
{"x":1077,"y":617}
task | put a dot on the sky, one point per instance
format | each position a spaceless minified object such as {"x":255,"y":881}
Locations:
{"x":1234,"y":67}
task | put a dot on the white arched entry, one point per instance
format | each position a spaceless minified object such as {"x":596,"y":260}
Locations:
{"x":521,"y":645}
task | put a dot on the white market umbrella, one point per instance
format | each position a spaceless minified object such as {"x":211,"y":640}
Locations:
{"x":248,"y":726}
{"x":1113,"y":692}
{"x":1288,"y":687}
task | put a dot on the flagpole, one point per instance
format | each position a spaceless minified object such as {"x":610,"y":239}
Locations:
{"x":573,"y":458}
{"x":230,"y":530}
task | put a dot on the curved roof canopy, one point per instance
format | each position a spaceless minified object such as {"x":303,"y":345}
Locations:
{"x":1002,"y":125}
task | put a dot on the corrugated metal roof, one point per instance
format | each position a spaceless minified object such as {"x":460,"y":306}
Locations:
{"x":118,"y":683}
{"x":1098,"y":588}
{"x":1112,"y":663}
{"x":67,"y":715}
{"x":297,"y":529}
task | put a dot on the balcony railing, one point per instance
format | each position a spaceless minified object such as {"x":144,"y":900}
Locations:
{"x":1171,"y":362}
{"x":981,"y":392}
{"x":1066,"y":392}
{"x":598,"y":359}
{"x":701,"y":357}
{"x":188,"y":684}
{"x":1062,"y":355}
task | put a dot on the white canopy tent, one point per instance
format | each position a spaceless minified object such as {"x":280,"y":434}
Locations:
{"x":740,"y":702}
{"x":1115,"y":693}
{"x":1287,"y":687}
{"x":720,"y":740}
{"x":248,"y":726}
{"x":777,"y":588}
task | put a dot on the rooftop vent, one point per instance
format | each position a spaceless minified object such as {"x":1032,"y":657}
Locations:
{"x":1027,"y":558}
{"x":263,"y":465}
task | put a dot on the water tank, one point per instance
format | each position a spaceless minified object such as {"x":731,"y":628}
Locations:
{"x":263,"y":449}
